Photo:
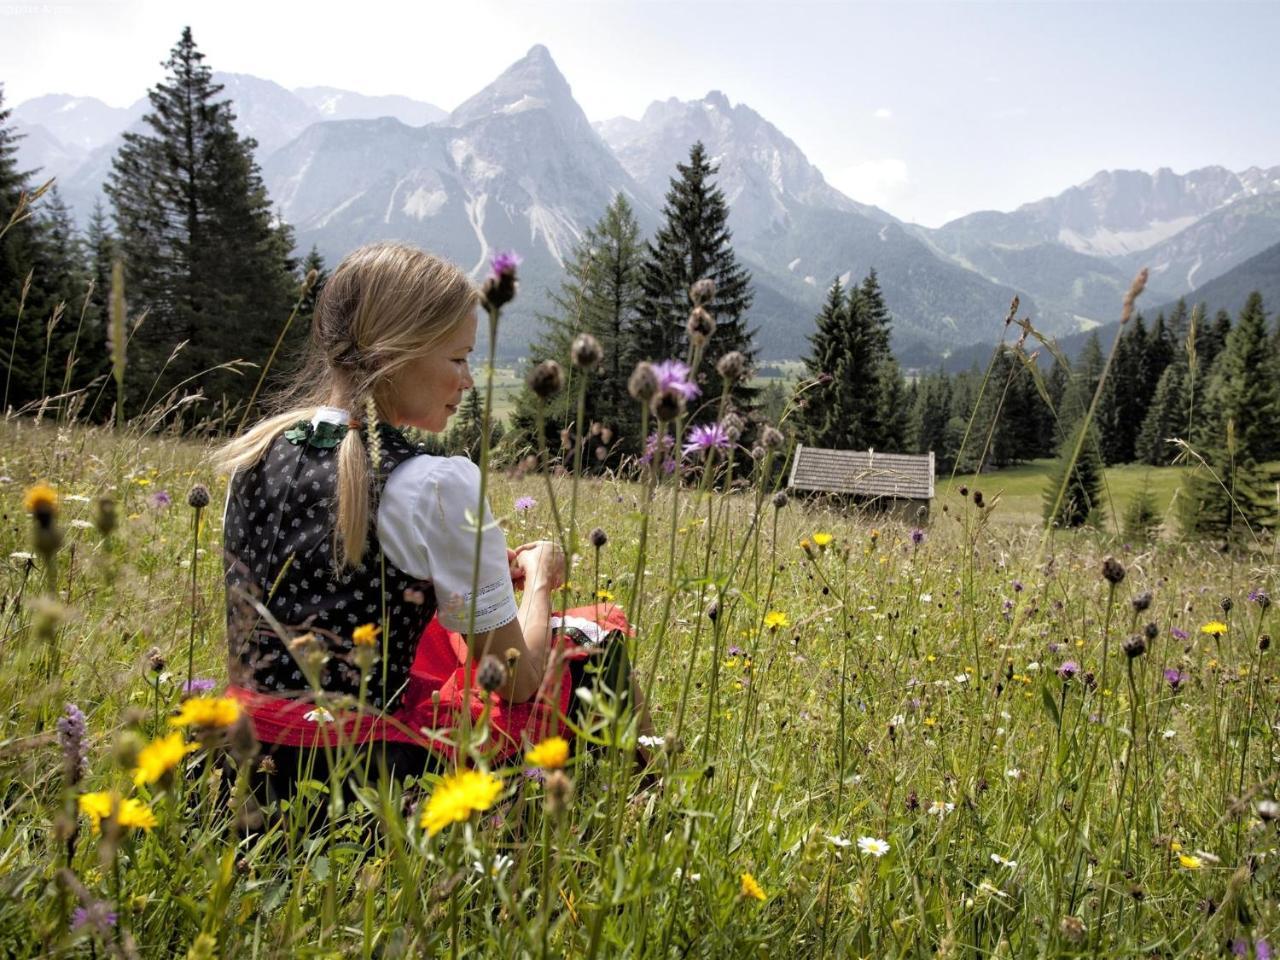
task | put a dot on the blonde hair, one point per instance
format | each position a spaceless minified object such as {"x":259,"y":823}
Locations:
{"x":383,"y":306}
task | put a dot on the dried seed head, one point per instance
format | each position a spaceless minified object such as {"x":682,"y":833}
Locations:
{"x":1135,"y":291}
{"x":1226,"y":604}
{"x":732,"y":366}
{"x":598,"y":538}
{"x":702,"y":291}
{"x":1073,"y":929}
{"x":198,"y":496}
{"x":1112,"y":570}
{"x":1142,"y":601}
{"x":701,"y":325}
{"x":1151,"y":631}
{"x":586,"y":352}
{"x":780,"y":499}
{"x":512,"y":657}
{"x":546,"y":379}
{"x":491,"y":674}
{"x":977,"y":499}
{"x":105,"y":517}
{"x":643,"y":383}
{"x":733,"y":426}
{"x":1135,"y":646}
{"x":713,"y":610}
{"x":668,"y":404}
{"x":559,"y":791}
{"x":155,"y":660}
{"x":771,"y":438}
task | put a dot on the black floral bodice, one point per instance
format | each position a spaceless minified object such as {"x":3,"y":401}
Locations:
{"x":279,"y":543}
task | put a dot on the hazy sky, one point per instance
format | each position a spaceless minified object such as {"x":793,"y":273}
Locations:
{"x":928,"y":109}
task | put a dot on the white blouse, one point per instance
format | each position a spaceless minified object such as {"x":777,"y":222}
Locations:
{"x":427,"y":528}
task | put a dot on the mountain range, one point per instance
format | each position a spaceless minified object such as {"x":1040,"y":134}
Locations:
{"x":520,"y":166}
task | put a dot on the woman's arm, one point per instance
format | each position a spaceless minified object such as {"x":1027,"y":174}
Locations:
{"x":530,"y":633}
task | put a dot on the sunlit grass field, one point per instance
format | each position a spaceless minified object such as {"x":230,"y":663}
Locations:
{"x":887,"y":742}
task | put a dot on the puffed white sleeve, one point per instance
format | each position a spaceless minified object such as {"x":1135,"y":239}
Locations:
{"x":427,"y":527}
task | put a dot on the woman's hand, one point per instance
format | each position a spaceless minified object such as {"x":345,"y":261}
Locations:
{"x":542,"y":561}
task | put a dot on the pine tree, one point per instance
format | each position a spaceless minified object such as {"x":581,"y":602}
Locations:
{"x":822,"y":419}
{"x":1243,"y":387}
{"x":929,"y":416}
{"x":1125,"y":396}
{"x":202,"y":254}
{"x":1078,"y":503}
{"x":1167,"y":417}
{"x":92,"y":355}
{"x":693,"y":242}
{"x":600,"y":295}
{"x":307,"y":308}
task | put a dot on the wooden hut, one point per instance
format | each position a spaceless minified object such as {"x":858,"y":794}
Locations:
{"x":899,"y":484}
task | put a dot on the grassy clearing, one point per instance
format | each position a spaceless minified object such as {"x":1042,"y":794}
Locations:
{"x":878,"y":733}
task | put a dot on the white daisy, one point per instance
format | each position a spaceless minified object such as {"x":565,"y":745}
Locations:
{"x":318,"y":715}
{"x":996,"y":858}
{"x":873,"y":846}
{"x":840,"y":842}
{"x":653,"y":742}
{"x":940,"y":809}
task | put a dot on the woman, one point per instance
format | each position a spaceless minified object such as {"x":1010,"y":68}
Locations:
{"x":348,"y":548}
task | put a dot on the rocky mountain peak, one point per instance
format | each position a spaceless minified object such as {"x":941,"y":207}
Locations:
{"x":532,"y":81}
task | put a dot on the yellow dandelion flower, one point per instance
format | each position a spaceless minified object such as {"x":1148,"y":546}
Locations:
{"x":551,"y":754}
{"x":160,"y":756}
{"x":750,"y":888}
{"x":822,"y":539}
{"x":41,"y":498}
{"x":930,"y":721}
{"x":457,"y":796}
{"x":604,"y":595}
{"x":1175,"y":846}
{"x":1190,"y":862}
{"x":131,"y":813}
{"x":776,"y":619}
{"x":207,"y":712}
{"x":1214,"y":628}
{"x":365,"y":635}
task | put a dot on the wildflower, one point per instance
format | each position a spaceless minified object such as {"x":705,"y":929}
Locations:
{"x":668,"y":404}
{"x":130,"y":813}
{"x":457,"y":796}
{"x":1260,"y":597}
{"x":1072,"y":928}
{"x":643,"y":382}
{"x":1178,"y":634}
{"x":551,"y":754}
{"x":491,"y":674}
{"x":702,"y":291}
{"x":318,"y":715}
{"x":750,"y":888}
{"x":1214,"y":628}
{"x":701,"y":325}
{"x":525,"y":503}
{"x":823,"y":540}
{"x":1151,"y":631}
{"x":365,"y":635}
{"x":207,"y":712}
{"x":1268,"y":810}
{"x":873,"y":846}
{"x":1135,"y":646}
{"x":546,"y":379}
{"x":1142,"y":601}
{"x":559,"y":791}
{"x":1190,"y":861}
{"x":158,"y":758}
{"x":97,"y":916}
{"x":706,"y":437}
{"x":1001,"y":861}
{"x":198,"y":685}
{"x":198,"y":496}
{"x":940,"y":809}
{"x":71,"y":738}
{"x":41,"y":499}
{"x":500,"y":863}
{"x":1112,"y":570}
{"x":651,"y":742}
{"x":598,"y":538}
{"x":917,"y":537}
{"x":780,"y":500}
{"x":732,"y":366}
{"x":1175,"y":678}
{"x":672,"y":374}
{"x":776,"y":619}
{"x":841,"y":842}
{"x":586,"y":352}
{"x":499,"y":287}
{"x":897,"y":720}
{"x":1013,"y":773}
{"x":1068,"y":670}
{"x":1169,"y":734}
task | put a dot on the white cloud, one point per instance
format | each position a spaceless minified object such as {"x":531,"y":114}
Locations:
{"x":884,"y":113}
{"x":879,"y":181}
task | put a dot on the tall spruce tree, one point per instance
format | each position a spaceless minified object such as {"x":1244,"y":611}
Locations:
{"x":92,"y":355}
{"x":1245,"y":385}
{"x":600,"y":295}
{"x":1078,"y":503}
{"x":822,"y":418}
{"x":202,"y":254}
{"x":693,"y":242}
{"x":1125,"y":396}
{"x":1167,"y":417}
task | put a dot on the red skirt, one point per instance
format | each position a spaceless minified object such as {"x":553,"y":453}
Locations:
{"x":424,"y":719}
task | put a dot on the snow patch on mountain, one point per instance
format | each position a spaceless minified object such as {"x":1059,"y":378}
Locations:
{"x":1110,"y":243}
{"x":423,"y":203}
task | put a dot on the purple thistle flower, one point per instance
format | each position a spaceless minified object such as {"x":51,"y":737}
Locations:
{"x":917,"y":536}
{"x":199,"y":685}
{"x":505,"y":263}
{"x":97,"y":916}
{"x":653,"y":445}
{"x":1177,"y":634}
{"x":1261,"y":949}
{"x":1068,"y":669}
{"x":735,"y":650}
{"x":1239,"y":947}
{"x":673,"y":373}
{"x":1260,"y":597}
{"x":159,"y":500}
{"x":1017,"y":586}
{"x":71,"y":738}
{"x":1053,"y":646}
{"x":525,"y":503}
{"x":706,"y":437}
{"x":1175,"y":678}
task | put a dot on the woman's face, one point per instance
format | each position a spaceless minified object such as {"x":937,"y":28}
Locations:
{"x":426,"y":391}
